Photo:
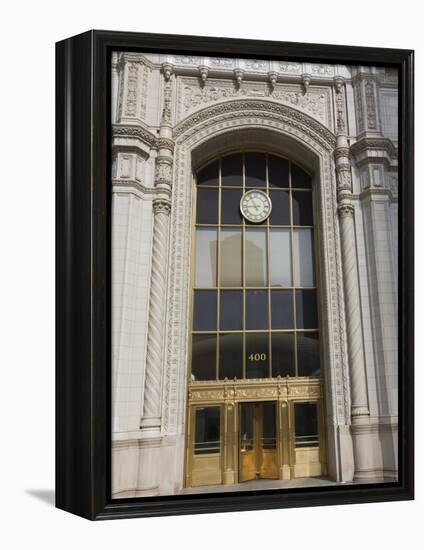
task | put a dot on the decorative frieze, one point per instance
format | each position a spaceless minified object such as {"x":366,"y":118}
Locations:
{"x":249,"y":390}
{"x":315,"y":102}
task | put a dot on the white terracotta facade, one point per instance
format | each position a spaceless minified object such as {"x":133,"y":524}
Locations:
{"x":171,"y":114}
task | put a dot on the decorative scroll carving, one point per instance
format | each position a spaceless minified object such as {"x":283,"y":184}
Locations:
{"x":163,"y":172}
{"x":222,"y":62}
{"x":289,"y":67}
{"x":131,"y":100}
{"x":323,"y":70}
{"x":256,"y":65}
{"x":370,"y":101}
{"x":359,"y":108}
{"x":314,"y":102}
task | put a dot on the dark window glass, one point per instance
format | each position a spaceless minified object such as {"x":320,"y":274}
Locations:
{"x":231,"y":306}
{"x":230,"y":356}
{"x":308,"y":354}
{"x":306,"y":424}
{"x":306,"y":309}
{"x":255,"y":169}
{"x":281,"y":309}
{"x":280,"y":213}
{"x":300,"y":179}
{"x":207,"y":206}
{"x":282,"y":354}
{"x":203,"y":357}
{"x":256,"y":309}
{"x":278,"y":172}
{"x":204,"y":310}
{"x":302,"y":208}
{"x":257,"y":355}
{"x":232,"y":170}
{"x":209,"y":174}
{"x":207,"y":431}
{"x":230,"y":206}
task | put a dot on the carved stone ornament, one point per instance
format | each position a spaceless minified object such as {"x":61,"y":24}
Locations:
{"x":316,"y":101}
{"x":370,"y":101}
{"x":306,"y":80}
{"x":203,"y":74}
{"x":161,"y":206}
{"x":344,"y":178}
{"x":165,"y":143}
{"x":129,"y":131}
{"x":167,"y":70}
{"x":238,"y":74}
{"x":345,"y":209}
{"x":163,"y":172}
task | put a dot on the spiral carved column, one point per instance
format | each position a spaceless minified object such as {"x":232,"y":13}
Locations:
{"x":358,"y":383}
{"x":151,"y":420}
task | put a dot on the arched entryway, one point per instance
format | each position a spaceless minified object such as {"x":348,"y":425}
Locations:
{"x":261,"y":125}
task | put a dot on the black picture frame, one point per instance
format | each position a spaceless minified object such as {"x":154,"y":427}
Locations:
{"x":83,"y":310}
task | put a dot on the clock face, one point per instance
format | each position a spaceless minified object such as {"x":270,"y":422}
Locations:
{"x":255,"y":206}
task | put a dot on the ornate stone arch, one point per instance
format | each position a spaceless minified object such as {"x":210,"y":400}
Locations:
{"x":236,"y":123}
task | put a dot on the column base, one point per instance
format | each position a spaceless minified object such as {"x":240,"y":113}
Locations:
{"x":285,"y":472}
{"x":229,"y":477}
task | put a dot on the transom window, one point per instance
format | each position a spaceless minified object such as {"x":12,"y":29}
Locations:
{"x":254,"y":289}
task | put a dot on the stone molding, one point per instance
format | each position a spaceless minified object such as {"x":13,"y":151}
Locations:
{"x":134,"y":131}
{"x":261,"y":109}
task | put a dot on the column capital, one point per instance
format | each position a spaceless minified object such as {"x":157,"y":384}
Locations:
{"x":161,"y":206}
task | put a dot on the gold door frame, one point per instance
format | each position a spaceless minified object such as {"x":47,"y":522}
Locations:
{"x":229,"y":394}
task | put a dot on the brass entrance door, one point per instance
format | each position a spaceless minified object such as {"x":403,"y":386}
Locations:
{"x":258,"y":441}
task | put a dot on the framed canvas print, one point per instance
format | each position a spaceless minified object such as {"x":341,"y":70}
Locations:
{"x":234,"y":274}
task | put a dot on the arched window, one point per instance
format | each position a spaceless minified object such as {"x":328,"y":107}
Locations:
{"x":254,"y":306}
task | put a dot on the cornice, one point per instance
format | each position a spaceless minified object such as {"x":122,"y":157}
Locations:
{"x":381,"y":144}
{"x":132,"y":131}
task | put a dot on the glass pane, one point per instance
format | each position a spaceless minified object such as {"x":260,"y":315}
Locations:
{"x":302,"y":208}
{"x":282,"y":309}
{"x":206,"y":245}
{"x":278,"y":172}
{"x":257,"y":355}
{"x":230,"y":356}
{"x":207,"y":431}
{"x":308,"y":354}
{"x":207,"y":206}
{"x":255,"y":169}
{"x":203,"y":357}
{"x":209,"y":174}
{"x":280,"y":257}
{"x":247,"y":429}
{"x":230,"y":257}
{"x":256,"y":309}
{"x":268,"y":426}
{"x":306,"y":309}
{"x":306,"y":424}
{"x":231,"y":310}
{"x":204,"y":310}
{"x":300,"y":179}
{"x":232,"y":170}
{"x":280,"y":213}
{"x":303,"y":257}
{"x":256,"y":257}
{"x":282,"y":354}
{"x":230,"y":206}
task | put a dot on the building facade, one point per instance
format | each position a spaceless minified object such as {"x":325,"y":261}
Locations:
{"x":254,"y":272}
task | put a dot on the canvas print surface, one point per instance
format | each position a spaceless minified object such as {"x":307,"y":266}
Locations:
{"x":254,"y":274}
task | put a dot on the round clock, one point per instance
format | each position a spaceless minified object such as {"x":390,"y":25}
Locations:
{"x":255,"y":206}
